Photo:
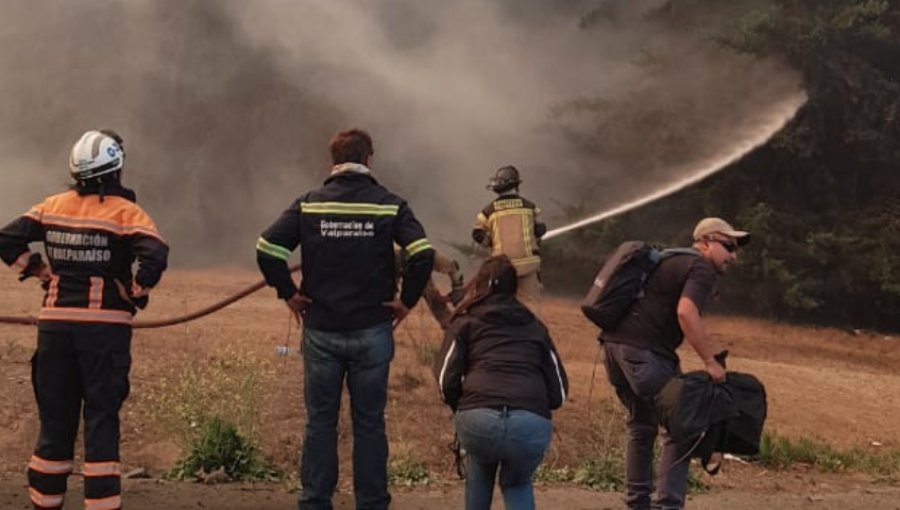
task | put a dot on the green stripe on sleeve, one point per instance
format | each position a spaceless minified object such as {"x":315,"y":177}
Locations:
{"x":273,"y":250}
{"x":417,"y":247}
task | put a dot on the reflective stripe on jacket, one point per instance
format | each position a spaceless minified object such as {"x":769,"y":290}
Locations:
{"x":91,"y":245}
{"x":346,"y":231}
{"x":512,"y":228}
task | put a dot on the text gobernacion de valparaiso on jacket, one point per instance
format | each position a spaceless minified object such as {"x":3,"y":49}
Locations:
{"x":346,"y":231}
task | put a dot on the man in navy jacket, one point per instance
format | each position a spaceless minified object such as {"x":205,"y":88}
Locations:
{"x":346,"y":231}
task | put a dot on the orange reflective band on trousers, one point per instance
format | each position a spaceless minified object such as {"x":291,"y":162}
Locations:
{"x":50,"y":467}
{"x":102,"y":469}
{"x":46,"y":500}
{"x":95,"y":297}
{"x":52,"y":291}
{"x":110,"y":503}
{"x":85,"y":315}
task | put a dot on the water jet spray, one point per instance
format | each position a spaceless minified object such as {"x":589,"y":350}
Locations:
{"x":782,"y":112}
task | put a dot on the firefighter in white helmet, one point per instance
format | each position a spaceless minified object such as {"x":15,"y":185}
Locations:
{"x":92,"y":234}
{"x":510,"y":225}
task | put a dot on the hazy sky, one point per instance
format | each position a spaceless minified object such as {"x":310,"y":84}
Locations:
{"x":227,"y":107}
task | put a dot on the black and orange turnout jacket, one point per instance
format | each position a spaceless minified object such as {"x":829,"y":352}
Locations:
{"x":91,"y":244}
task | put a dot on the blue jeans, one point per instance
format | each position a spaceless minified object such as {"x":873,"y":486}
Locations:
{"x":513,"y":441}
{"x":638,"y":375}
{"x":364,"y":357}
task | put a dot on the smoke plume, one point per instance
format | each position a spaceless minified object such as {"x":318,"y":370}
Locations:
{"x":227,"y":107}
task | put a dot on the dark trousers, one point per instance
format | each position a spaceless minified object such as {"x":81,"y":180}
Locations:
{"x":638,"y":375}
{"x":75,"y":365}
{"x":362,"y":357}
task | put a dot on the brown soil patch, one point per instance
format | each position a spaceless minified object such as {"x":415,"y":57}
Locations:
{"x":823,"y":383}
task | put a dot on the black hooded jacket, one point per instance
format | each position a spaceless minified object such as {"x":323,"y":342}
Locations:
{"x":499,"y":354}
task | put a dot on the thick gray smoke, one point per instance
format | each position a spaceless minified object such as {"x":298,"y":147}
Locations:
{"x":227,"y":107}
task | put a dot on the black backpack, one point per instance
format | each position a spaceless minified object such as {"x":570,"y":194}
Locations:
{"x":704,"y":418}
{"x":622,"y":280}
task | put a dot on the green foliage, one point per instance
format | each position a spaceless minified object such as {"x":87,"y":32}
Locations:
{"x":546,"y":473}
{"x":695,"y":482}
{"x":822,"y":198}
{"x":408,"y":471}
{"x":602,"y":473}
{"x":214,"y":409}
{"x":219,"y":446}
{"x":829,"y":231}
{"x":231,"y":386}
{"x":779,"y":452}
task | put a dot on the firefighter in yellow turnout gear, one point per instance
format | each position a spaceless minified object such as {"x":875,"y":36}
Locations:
{"x":510,"y":226}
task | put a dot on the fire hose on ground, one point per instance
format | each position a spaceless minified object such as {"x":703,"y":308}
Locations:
{"x":173,"y":321}
{"x":162,"y":323}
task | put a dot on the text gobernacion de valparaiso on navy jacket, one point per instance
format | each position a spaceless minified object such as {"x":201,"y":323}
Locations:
{"x":346,"y":231}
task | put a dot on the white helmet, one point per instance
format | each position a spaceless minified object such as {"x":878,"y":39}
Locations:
{"x":95,"y":154}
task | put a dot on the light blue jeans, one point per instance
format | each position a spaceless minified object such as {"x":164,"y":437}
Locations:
{"x":513,"y":441}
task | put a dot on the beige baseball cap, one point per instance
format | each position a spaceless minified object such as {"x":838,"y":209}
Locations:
{"x":709,"y":226}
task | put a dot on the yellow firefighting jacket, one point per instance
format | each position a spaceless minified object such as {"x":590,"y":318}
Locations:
{"x":509,"y":225}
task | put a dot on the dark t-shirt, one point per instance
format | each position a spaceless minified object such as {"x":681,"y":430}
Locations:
{"x":652,"y":322}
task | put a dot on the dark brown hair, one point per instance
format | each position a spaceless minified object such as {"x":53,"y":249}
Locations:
{"x":351,"y":146}
{"x":115,"y":136}
{"x":496,"y":276}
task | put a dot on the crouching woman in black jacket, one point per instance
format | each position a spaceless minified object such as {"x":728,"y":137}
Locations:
{"x":499,"y":371}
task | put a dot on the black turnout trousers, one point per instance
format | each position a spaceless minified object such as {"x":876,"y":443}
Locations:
{"x":79,"y":367}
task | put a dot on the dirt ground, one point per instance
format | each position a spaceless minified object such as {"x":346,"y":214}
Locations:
{"x":832,"y":385}
{"x":147,"y":495}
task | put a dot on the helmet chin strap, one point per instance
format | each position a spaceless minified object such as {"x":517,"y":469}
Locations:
{"x":100,"y":183}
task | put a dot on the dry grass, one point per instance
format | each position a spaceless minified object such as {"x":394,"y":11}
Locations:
{"x":824,"y":384}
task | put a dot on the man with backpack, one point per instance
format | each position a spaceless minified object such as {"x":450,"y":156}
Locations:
{"x":640,"y":348}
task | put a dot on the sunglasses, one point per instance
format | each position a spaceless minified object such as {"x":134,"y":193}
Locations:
{"x":730,"y":246}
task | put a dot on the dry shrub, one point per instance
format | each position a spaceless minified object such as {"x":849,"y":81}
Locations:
{"x":214,"y":408}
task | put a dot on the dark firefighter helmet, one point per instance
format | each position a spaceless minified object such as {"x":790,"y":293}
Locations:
{"x":506,"y":178}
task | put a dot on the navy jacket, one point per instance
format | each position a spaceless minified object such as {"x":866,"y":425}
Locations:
{"x":346,"y":231}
